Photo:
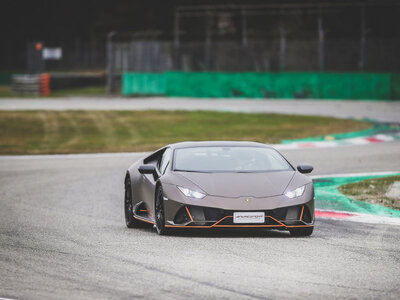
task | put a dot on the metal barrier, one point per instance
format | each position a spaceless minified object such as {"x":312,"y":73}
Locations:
{"x":38,"y":84}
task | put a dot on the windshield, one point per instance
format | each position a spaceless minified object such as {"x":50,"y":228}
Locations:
{"x":229,"y":159}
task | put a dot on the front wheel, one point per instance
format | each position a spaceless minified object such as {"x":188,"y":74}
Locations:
{"x":130,"y":221}
{"x":306,"y":231}
{"x":160,"y":213}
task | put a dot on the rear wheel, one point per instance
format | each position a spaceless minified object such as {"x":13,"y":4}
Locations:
{"x":306,"y":231}
{"x":160,"y":213}
{"x":130,"y":221}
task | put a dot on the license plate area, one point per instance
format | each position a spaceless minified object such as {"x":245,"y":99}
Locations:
{"x":248,"y":217}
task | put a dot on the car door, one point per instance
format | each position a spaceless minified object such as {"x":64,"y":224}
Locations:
{"x":161,"y":161}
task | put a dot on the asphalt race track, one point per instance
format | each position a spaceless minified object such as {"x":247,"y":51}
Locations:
{"x":384,"y":111}
{"x":62,"y":236}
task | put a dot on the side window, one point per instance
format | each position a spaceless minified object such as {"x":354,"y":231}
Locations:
{"x":165,"y":160}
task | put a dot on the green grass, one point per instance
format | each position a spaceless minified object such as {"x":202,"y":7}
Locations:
{"x":372,"y":190}
{"x":37,"y":132}
{"x":5,"y":92}
{"x":86,"y":91}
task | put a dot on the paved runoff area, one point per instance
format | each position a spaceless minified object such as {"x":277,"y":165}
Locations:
{"x":62,"y":236}
{"x":384,"y":111}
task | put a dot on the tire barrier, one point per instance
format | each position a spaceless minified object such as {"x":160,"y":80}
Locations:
{"x":38,"y":84}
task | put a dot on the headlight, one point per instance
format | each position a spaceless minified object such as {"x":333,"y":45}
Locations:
{"x":190,"y":193}
{"x":295,"y":193}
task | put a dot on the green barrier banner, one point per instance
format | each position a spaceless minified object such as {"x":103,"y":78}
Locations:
{"x":374,"y":86}
{"x":144,"y":84}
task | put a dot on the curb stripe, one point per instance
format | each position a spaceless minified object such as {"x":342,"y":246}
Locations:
{"x":378,"y":138}
{"x":357,"y":217}
{"x":333,"y":214}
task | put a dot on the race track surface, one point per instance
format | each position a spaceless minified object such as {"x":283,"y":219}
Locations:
{"x":384,"y":111}
{"x":62,"y":236}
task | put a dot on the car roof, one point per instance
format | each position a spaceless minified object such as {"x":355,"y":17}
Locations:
{"x":217,"y":144}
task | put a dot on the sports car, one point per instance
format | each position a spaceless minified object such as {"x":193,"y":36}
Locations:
{"x":219,"y":185}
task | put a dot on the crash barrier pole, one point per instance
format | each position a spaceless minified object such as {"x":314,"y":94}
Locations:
{"x":44,"y":84}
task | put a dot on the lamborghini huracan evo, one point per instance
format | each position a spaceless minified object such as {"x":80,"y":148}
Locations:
{"x":219,"y":185}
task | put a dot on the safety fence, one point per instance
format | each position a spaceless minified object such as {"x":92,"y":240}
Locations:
{"x":264,"y":56}
{"x":376,"y":86}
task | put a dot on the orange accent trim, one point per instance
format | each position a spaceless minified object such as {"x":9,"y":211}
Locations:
{"x":143,"y":210}
{"x":260,"y":226}
{"x":190,"y":216}
{"x":177,"y":226}
{"x":248,"y":226}
{"x":275,"y":220}
{"x":301,"y":215}
{"x":216,"y":224}
{"x":143,"y":219}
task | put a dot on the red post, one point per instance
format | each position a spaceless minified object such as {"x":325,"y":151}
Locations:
{"x":44,"y":84}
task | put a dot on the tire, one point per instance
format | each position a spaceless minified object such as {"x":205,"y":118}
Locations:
{"x":160,"y":213}
{"x":306,"y":231}
{"x":130,"y":221}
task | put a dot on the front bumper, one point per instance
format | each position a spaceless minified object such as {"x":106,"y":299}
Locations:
{"x":215,"y":212}
{"x":191,"y":216}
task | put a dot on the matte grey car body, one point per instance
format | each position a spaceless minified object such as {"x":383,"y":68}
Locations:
{"x":153,"y":194}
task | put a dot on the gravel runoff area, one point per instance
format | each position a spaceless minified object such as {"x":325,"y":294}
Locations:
{"x":385,"y":111}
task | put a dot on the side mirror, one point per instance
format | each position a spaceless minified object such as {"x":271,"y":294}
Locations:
{"x":149,"y":169}
{"x":305,"y":169}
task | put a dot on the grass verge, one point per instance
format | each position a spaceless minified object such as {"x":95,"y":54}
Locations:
{"x":46,"y":132}
{"x":372,"y":190}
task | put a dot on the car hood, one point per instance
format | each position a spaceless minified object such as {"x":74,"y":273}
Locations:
{"x":241,"y":184}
